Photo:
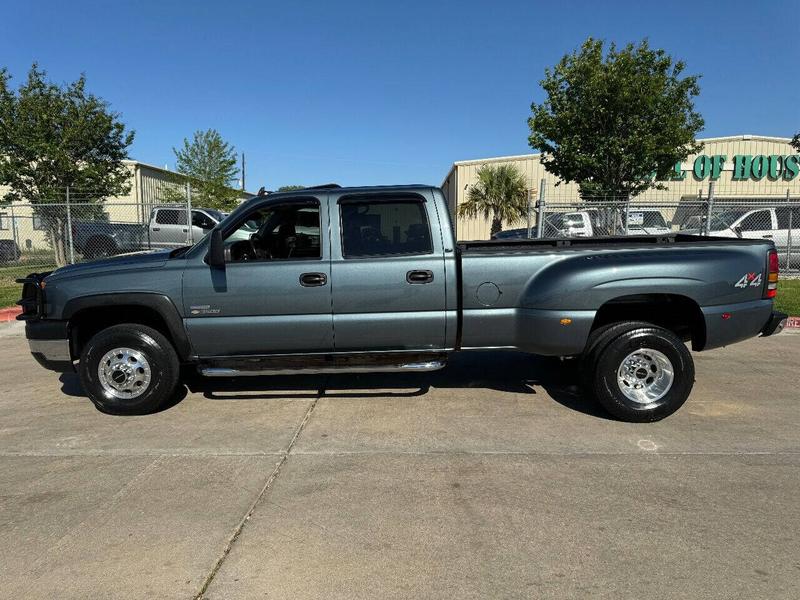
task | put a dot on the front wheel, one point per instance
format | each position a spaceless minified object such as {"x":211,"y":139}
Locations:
{"x":129,"y":369}
{"x":643,"y":374}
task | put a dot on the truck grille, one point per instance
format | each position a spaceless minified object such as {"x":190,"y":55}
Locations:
{"x":32,"y":301}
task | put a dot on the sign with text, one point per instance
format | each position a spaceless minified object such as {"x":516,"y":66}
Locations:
{"x":745,"y":167}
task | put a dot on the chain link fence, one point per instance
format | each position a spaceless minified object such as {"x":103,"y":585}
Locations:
{"x":708,"y":214}
{"x":49,"y":234}
{"x":45,"y":235}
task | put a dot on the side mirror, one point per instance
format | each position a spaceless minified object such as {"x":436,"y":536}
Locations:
{"x":216,"y":250}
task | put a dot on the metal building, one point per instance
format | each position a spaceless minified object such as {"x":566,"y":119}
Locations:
{"x":741,"y":167}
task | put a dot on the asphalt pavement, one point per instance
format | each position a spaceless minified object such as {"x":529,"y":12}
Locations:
{"x":494,"y":478}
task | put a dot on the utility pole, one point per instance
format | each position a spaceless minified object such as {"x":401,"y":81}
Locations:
{"x":242,"y":171}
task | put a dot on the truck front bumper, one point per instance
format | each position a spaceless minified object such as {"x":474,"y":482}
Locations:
{"x":775,"y":324}
{"x":49,"y":344}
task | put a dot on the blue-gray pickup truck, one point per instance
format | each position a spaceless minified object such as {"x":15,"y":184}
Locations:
{"x":371,"y":279}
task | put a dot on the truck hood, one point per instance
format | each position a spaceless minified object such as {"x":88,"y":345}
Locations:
{"x":136,"y":260}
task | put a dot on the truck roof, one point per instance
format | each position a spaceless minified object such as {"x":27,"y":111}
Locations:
{"x":350,"y":189}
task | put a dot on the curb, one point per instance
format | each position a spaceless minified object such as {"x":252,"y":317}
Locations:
{"x":9,"y":314}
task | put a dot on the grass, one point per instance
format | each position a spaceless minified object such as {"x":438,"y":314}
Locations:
{"x":10,"y":291}
{"x":788,"y":299}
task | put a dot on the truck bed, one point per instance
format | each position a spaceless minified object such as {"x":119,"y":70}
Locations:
{"x":600,"y":242}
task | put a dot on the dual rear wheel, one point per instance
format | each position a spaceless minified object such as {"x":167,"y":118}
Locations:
{"x":638,"y":371}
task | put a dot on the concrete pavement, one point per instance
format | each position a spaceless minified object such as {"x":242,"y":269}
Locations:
{"x":493,"y":478}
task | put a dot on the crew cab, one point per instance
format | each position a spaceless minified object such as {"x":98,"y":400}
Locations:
{"x":371,"y":279}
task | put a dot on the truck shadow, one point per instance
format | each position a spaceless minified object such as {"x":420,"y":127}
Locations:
{"x":494,"y":371}
{"x":498,"y":371}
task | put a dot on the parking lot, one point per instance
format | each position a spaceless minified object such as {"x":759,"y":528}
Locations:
{"x":491,"y":479}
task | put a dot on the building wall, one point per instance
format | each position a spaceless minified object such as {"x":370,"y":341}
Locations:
{"x":464,"y":174}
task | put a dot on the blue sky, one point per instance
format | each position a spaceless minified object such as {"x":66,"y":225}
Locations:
{"x":384,"y":92}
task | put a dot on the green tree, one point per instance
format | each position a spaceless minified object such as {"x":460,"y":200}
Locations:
{"x":796,"y":141}
{"x":616,"y":123}
{"x":500,"y":195}
{"x":57,"y":137}
{"x":210,"y":164}
{"x":291,"y":188}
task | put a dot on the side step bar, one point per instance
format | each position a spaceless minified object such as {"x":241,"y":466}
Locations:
{"x":411,"y":367}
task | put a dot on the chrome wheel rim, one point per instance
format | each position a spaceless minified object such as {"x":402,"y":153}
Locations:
{"x":645,"y":376}
{"x":124,"y":373}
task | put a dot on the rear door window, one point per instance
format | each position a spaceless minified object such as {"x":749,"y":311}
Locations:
{"x":170,"y":216}
{"x":788,"y":217}
{"x":384,"y":228}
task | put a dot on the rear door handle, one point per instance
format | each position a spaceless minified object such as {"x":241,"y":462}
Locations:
{"x":156,"y":228}
{"x":768,"y":237}
{"x":313,"y":279}
{"x":419,"y":276}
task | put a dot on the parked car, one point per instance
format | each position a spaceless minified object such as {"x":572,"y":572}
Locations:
{"x":586,"y":223}
{"x":371,"y":279}
{"x":94,"y":238}
{"x":167,"y":228}
{"x":9,"y":251}
{"x":776,"y":224}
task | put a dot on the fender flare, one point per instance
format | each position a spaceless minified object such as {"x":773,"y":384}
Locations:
{"x":160,"y":303}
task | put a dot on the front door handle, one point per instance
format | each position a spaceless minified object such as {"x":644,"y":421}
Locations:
{"x":767,"y":237}
{"x":419,"y":276}
{"x":156,"y":228}
{"x":313,"y":279}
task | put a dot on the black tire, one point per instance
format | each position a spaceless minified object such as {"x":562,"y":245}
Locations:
{"x":162,"y":366}
{"x":608,"y":391}
{"x":598,"y":340}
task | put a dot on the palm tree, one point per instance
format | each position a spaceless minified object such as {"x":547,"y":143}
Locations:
{"x":500,"y":195}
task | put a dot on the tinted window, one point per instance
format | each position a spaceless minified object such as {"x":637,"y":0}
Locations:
{"x":202,"y":220}
{"x":170,"y":216}
{"x":757,"y":221}
{"x":277,"y":232}
{"x":574,"y":220}
{"x":385,"y":228}
{"x":650,"y":219}
{"x":786,"y":216}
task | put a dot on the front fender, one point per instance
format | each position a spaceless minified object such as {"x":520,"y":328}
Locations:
{"x":160,"y":303}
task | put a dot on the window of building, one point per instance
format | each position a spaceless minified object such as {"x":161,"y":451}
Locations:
{"x":4,"y":221}
{"x":38,"y":225}
{"x":385,"y":227}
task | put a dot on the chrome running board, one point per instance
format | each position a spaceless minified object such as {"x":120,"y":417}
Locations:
{"x":413,"y":367}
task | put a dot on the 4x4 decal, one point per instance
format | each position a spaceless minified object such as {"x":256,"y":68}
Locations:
{"x":749,"y":279}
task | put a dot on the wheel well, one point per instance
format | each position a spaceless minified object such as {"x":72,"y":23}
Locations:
{"x":90,"y":321}
{"x":679,"y":314}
